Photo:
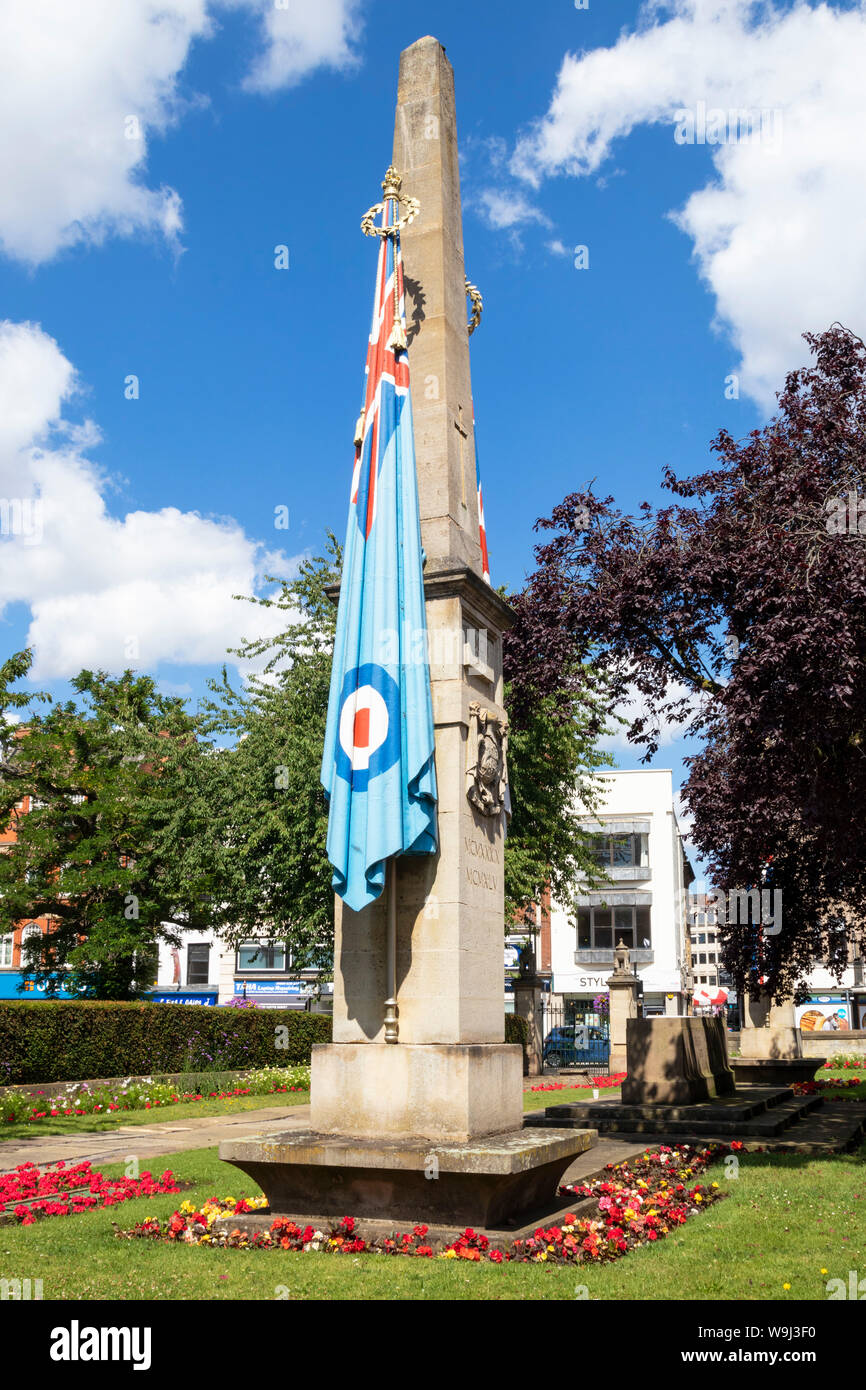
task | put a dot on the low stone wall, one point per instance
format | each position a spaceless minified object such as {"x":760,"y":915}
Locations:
{"x":852,"y":1043}
{"x":831,"y":1044}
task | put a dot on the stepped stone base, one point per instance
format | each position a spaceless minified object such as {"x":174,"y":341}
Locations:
{"x":769,"y":1118}
{"x":775,"y":1071}
{"x":488,"y":1183}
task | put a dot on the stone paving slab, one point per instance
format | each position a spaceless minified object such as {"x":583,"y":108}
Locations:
{"x":145,"y":1141}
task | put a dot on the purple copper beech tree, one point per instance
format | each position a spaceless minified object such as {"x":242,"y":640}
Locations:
{"x":739,"y":611}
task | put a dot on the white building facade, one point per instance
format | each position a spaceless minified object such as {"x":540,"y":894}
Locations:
{"x":204,"y":970}
{"x":639,"y":848}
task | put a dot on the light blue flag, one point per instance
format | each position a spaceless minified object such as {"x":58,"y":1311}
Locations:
{"x":377,"y":768}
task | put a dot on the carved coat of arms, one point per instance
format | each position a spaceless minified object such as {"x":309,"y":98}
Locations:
{"x":487,"y":761}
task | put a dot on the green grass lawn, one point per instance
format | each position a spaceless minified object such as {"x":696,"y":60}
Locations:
{"x":89,"y":1124}
{"x":785,"y":1219}
{"x":574,"y":1095}
{"x":162,"y":1114}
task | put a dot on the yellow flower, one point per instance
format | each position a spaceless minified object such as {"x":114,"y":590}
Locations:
{"x":786,"y":1286}
{"x":824,"y":1271}
{"x":698,"y":1197}
{"x":448,"y":1255}
{"x":715,"y":1184}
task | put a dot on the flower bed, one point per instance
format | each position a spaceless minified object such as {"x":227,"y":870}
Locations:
{"x":29,"y":1192}
{"x":812,"y":1088}
{"x":843,"y":1062}
{"x":601,"y":1083}
{"x":639,"y":1202}
{"x":144,"y":1093}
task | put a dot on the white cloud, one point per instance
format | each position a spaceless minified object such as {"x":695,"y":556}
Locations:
{"x":635,"y":706}
{"x":685,"y":819}
{"x":777,"y":232}
{"x":503,"y":209}
{"x":85,"y":85}
{"x":299,"y":36}
{"x":107,"y":591}
{"x":74,"y":79}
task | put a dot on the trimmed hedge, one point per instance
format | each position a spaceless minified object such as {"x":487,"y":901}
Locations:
{"x":72,"y":1040}
{"x":517,"y":1031}
{"x":76,"y":1040}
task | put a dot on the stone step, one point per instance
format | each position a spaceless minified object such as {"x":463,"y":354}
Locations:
{"x":836,"y":1127}
{"x":805,"y":1124}
{"x":735,"y":1110}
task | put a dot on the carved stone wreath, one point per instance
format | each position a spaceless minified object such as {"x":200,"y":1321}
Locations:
{"x":477,"y":305}
{"x":487,"y":761}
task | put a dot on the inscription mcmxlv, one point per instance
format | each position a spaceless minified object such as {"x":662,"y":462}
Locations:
{"x":478,"y":849}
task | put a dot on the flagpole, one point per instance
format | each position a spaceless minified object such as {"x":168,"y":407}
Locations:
{"x":392,"y":1027}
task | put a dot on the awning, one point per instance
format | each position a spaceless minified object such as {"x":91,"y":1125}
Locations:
{"x":705,"y":998}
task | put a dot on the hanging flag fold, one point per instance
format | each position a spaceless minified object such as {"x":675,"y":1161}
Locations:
{"x":482,"y":525}
{"x":378,"y":766}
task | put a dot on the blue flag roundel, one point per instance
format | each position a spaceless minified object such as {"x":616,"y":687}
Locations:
{"x":369,"y":725}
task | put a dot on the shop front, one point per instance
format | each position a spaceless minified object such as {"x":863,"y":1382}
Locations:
{"x":189,"y":995}
{"x":276,"y":994}
{"x":14,"y":986}
{"x":831,"y":1013}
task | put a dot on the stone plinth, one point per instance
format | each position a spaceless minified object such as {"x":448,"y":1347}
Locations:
{"x":623,"y":988}
{"x":488,"y":1183}
{"x":437,"y":1092}
{"x":673,"y":1061}
{"x":770,"y":1032}
{"x":527,"y":1005}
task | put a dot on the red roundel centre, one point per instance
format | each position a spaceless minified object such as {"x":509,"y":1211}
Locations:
{"x":361,"y":728}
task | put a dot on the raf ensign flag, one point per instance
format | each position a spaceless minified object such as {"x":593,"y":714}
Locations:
{"x":377,"y":769}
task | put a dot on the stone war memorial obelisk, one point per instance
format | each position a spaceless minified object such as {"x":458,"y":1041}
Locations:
{"x":416,"y":1105}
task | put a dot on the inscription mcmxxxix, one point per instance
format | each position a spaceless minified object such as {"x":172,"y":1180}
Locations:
{"x":479,"y":849}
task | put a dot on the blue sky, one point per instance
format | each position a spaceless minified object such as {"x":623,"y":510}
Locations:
{"x":250,"y":376}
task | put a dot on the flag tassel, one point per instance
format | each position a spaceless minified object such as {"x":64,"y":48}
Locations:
{"x":392,"y":1026}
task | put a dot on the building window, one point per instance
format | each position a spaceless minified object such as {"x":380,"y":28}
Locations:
{"x":32,"y":929}
{"x":6,"y":949}
{"x":621,"y":851}
{"x":261,"y":955}
{"x":602,"y":928}
{"x":198,"y":963}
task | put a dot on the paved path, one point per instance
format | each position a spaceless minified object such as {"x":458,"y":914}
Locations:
{"x":145,"y":1141}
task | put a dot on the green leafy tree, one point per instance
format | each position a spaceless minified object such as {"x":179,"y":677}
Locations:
{"x":269,"y":825}
{"x":553,"y":755}
{"x":111,"y":850}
